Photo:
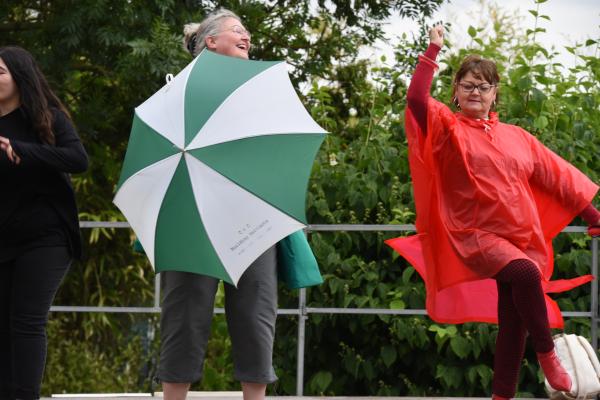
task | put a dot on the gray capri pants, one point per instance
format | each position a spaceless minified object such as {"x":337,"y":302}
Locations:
{"x":251,"y":311}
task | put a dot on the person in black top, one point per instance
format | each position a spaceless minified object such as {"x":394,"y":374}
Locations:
{"x":39,"y":229}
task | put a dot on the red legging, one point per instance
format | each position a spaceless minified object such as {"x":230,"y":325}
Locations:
{"x":521,"y":309}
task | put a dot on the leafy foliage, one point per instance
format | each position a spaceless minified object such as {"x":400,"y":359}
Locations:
{"x":105,"y":57}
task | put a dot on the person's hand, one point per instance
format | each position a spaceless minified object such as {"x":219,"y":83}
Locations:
{"x":436,"y":35}
{"x":7,"y":148}
{"x":594,"y":229}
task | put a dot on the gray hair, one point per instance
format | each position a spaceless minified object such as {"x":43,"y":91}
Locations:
{"x":195,"y":34}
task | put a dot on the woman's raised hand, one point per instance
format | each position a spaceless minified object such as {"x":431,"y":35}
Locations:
{"x":436,"y":35}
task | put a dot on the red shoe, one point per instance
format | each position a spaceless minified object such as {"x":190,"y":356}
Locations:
{"x":496,"y":397}
{"x":557,"y":377}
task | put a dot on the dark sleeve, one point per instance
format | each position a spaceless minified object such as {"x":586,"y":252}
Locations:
{"x":591,"y":215}
{"x":4,"y":161}
{"x":68,"y":155}
{"x":420,"y":85}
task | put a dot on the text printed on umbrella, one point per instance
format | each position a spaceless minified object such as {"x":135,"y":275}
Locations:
{"x":249,"y":232}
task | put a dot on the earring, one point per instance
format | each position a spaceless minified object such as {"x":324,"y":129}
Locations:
{"x":455,"y":101}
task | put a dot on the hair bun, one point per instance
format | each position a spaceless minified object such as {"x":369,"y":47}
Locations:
{"x":190,"y":34}
{"x":190,"y":29}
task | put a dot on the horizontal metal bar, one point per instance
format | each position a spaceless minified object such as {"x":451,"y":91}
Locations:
{"x":360,"y":227}
{"x":104,"y":224}
{"x":575,"y":229}
{"x":587,"y":314}
{"x":99,"y":395}
{"x":317,"y":227}
{"x":377,"y":311}
{"x":105,"y":309}
{"x":283,"y":311}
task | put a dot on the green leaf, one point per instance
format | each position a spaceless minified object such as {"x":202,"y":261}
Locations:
{"x":471,"y":375}
{"x":335,"y":285}
{"x":451,"y":376}
{"x":460,"y":346}
{"x":441,"y":331}
{"x":407,"y":274}
{"x":472,"y":31}
{"x":361,"y":301}
{"x":485,"y":374}
{"x":349,"y":298}
{"x":541,"y":122}
{"x":388,"y":355}
{"x":397,"y":305}
{"x":321,"y":380}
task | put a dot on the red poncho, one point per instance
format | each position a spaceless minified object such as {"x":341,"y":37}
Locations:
{"x":486,"y":193}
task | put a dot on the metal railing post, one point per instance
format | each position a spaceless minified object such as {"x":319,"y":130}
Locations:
{"x":302,"y":317}
{"x":157,"y":290}
{"x":594,"y":306}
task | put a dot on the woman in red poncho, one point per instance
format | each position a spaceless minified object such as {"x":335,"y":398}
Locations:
{"x":490,"y":198}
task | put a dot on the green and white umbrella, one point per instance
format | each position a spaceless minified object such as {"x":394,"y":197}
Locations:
{"x":217,"y":166}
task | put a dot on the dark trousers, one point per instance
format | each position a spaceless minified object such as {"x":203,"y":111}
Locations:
{"x":28,"y":284}
{"x":521,"y":311}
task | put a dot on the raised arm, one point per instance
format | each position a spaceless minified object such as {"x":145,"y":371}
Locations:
{"x":420,"y":84}
{"x":68,"y":155}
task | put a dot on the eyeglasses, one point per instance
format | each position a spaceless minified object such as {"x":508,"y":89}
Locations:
{"x":468,"y":87}
{"x":238,"y":30}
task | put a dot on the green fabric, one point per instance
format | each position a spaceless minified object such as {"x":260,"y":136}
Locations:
{"x":137,"y":247}
{"x":296,"y":264}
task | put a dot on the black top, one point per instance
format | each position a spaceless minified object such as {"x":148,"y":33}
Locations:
{"x":37,"y":203}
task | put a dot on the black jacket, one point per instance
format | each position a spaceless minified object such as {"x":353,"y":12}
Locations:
{"x":43,"y":170}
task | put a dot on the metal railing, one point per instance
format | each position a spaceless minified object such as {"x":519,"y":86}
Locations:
{"x":302,"y":312}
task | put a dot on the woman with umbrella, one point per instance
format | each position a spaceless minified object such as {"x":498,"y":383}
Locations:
{"x":187,"y":307}
{"x":489,"y":199}
{"x":39,"y":229}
